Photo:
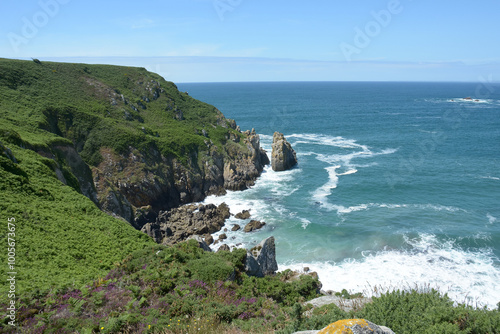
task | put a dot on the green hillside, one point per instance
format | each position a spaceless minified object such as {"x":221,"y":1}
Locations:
{"x":102,"y":105}
{"x":46,"y":109}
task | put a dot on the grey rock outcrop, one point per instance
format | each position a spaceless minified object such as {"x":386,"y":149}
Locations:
{"x":253,"y":225}
{"x":283,"y":156}
{"x":181,"y":223}
{"x":209,"y":239}
{"x":224,"y":248}
{"x":203,"y":245}
{"x":343,"y":303}
{"x":153,"y":230}
{"x":242,"y":172}
{"x":261,"y":260}
{"x":135,"y":179}
{"x":70,"y":169}
{"x":245,"y":214}
{"x":7,"y":153}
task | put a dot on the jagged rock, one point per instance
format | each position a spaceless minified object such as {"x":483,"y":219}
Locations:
{"x":113,"y":201}
{"x":209,"y":239}
{"x":242,"y":174}
{"x":165,"y":183}
{"x":195,"y":219}
{"x":236,"y":227}
{"x":245,"y":214}
{"x":223,"y":236}
{"x":261,"y":260}
{"x":201,"y":242}
{"x":355,"y":326}
{"x":143,"y":215}
{"x":153,"y":230}
{"x":224,"y":248}
{"x":283,"y":156}
{"x":253,"y":225}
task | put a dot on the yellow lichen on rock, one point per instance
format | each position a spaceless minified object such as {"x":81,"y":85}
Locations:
{"x":343,"y":326}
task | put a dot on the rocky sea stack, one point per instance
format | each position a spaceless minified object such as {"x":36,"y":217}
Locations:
{"x":283,"y":156}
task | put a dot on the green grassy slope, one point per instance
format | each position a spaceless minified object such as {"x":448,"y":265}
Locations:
{"x":62,"y":238}
{"x":103,"y":105}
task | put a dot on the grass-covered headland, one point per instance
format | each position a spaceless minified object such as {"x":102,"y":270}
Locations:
{"x":63,"y":128}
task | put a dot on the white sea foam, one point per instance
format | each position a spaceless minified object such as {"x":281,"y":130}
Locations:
{"x":367,"y":206}
{"x":428,"y":131}
{"x":492,"y":220}
{"x":305,"y":222}
{"x":470,"y":100}
{"x":337,"y":161}
{"x":325,"y":140}
{"x":349,"y":172}
{"x":320,"y":195}
{"x":466,"y":276}
{"x":491,"y":178}
{"x":433,"y":207}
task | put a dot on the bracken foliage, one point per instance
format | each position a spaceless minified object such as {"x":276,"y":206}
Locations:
{"x":160,"y":289}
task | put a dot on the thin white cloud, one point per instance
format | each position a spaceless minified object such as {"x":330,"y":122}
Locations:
{"x":197,"y":50}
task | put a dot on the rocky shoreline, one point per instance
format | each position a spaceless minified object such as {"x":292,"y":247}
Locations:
{"x":200,"y":221}
{"x":183,"y":221}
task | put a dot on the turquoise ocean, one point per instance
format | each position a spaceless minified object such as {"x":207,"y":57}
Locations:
{"x":397,"y":185}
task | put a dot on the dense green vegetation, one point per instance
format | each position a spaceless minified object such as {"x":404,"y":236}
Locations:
{"x":160,"y":287}
{"x":102,"y":105}
{"x":62,"y":238}
{"x":183,"y":289}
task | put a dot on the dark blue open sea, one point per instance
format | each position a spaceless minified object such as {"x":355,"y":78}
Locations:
{"x":398,"y":184}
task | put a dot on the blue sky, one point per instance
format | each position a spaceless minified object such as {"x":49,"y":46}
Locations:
{"x":257,"y":40}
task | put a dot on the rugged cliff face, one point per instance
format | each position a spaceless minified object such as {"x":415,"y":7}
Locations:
{"x":124,"y":137}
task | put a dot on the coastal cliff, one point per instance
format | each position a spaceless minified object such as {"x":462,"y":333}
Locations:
{"x":81,"y":144}
{"x":124,"y":137}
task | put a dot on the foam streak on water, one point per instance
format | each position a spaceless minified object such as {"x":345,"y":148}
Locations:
{"x":351,"y":150}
